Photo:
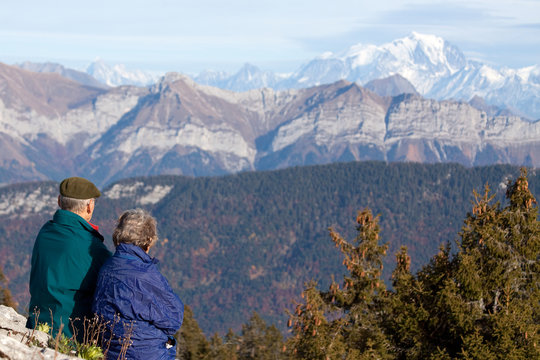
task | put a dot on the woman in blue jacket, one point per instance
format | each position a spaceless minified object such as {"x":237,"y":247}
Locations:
{"x":134,"y":297}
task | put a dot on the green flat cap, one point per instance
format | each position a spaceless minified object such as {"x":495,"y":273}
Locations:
{"x":78,"y":188}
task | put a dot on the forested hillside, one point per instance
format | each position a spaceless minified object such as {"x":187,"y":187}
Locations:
{"x":248,"y":242}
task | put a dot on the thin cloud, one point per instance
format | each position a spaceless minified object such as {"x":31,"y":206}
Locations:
{"x":534,"y":26}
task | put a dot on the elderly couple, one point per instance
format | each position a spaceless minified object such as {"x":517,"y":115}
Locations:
{"x":74,"y":276}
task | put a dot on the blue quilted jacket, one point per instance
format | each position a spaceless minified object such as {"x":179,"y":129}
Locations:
{"x":131,"y":287}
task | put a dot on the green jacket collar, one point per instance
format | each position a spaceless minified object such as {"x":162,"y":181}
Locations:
{"x":69,"y":218}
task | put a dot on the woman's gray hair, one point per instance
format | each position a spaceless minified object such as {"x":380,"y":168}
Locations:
{"x":135,"y":226}
{"x":73,"y":205}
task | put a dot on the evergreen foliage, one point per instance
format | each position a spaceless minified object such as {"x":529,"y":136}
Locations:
{"x":191,"y":342}
{"x":345,"y":321}
{"x":259,"y":341}
{"x":256,"y":341}
{"x":483,"y":302}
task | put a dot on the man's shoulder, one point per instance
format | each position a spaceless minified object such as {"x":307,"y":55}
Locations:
{"x":62,"y":221}
{"x":72,"y":233}
{"x":52,"y":230}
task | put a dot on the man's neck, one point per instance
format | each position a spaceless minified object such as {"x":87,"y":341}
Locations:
{"x":88,"y":217}
{"x":84,"y":215}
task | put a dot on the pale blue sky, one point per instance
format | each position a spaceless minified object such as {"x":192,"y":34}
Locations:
{"x":278,"y":35}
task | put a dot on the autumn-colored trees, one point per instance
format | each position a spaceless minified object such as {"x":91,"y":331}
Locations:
{"x":5,"y":295}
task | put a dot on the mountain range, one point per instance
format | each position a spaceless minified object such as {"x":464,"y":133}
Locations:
{"x":53,"y":127}
{"x":434,"y":67}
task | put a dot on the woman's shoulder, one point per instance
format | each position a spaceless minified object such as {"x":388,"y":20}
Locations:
{"x":128,"y":268}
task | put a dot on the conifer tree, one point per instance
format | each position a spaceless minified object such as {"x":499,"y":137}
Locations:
{"x":192,"y":344}
{"x":419,"y":314}
{"x":223,"y":349}
{"x":484,"y":302}
{"x":314,"y":337}
{"x":498,"y":276}
{"x":407,"y":314}
{"x":259,"y":341}
{"x":356,"y":309}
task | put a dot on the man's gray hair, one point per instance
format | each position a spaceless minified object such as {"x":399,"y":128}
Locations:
{"x":73,"y":205}
{"x":136,"y":227}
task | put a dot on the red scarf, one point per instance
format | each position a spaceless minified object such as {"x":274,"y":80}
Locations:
{"x":95,"y":227}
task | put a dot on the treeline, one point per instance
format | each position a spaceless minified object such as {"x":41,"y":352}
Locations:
{"x":480,"y":302}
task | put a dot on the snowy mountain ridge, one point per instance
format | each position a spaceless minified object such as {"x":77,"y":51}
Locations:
{"x":436,"y":68}
{"x":421,"y":59}
{"x":118,"y":74}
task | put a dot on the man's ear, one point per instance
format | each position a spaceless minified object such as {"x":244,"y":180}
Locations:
{"x":89,"y":207}
{"x":59,"y":201}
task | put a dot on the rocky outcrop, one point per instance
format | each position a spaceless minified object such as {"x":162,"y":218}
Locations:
{"x":19,"y":343}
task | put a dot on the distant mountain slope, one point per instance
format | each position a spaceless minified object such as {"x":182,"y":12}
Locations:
{"x":236,"y":244}
{"x":78,"y":76}
{"x":249,"y":77}
{"x":180,"y":127}
{"x":391,"y":86}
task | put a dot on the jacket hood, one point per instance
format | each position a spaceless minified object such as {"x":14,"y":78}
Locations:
{"x":131,"y":251}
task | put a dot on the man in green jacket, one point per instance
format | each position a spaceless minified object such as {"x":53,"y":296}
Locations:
{"x":66,"y":259}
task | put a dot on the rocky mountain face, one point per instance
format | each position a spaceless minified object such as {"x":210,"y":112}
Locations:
{"x":78,"y":76}
{"x":391,"y":86}
{"x":47,"y":120}
{"x":52,"y":127}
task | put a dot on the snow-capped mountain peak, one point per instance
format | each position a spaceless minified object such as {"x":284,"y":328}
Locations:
{"x":427,"y":50}
{"x":362,"y":54}
{"x":421,"y":59}
{"x":414,"y":50}
{"x":119,"y":75}
{"x":326,"y":55}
